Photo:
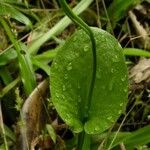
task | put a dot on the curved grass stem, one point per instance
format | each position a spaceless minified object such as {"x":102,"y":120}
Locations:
{"x":86,"y":28}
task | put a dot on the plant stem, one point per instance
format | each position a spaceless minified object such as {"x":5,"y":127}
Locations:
{"x":80,"y":140}
{"x":84,"y":141}
{"x":136,"y":52}
{"x":2,"y":129}
{"x":83,"y":136}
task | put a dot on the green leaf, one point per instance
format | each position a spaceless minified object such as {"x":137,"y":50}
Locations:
{"x":136,"y":52}
{"x":7,"y":56}
{"x":148,"y":1}
{"x":42,"y":60}
{"x":26,"y":68}
{"x":71,"y":75}
{"x":41,"y":65}
{"x":9,"y":87}
{"x":139,"y":137}
{"x":118,"y":9}
{"x":9,"y":10}
{"x":5,"y":75}
{"x":51,"y":132}
{"x":130,"y":139}
{"x":9,"y":134}
{"x":97,"y":139}
{"x":45,"y":57}
{"x":2,"y":147}
{"x":24,"y":60}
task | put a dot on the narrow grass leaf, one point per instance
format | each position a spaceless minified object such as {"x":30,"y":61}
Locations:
{"x":139,"y":137}
{"x":8,"y":10}
{"x":26,"y":69}
{"x":9,"y":87}
{"x":148,"y":1}
{"x":130,"y":139}
{"x":9,"y":134}
{"x":51,"y":132}
{"x":45,"y":57}
{"x":25,"y":64}
{"x":136,"y":52}
{"x":41,"y":65}
{"x":108,"y":137}
{"x":58,"y":28}
{"x":5,"y":75}
{"x":6,"y":56}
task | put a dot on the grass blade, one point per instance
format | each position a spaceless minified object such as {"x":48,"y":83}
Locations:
{"x":136,"y":52}
{"x":7,"y":9}
{"x":59,"y":27}
{"x":26,"y":69}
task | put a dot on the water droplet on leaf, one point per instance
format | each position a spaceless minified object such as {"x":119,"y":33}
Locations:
{"x":123,"y":79}
{"x":112,"y":70}
{"x":67,"y":117}
{"x":125,"y":90}
{"x":76,"y":54}
{"x":57,"y":95}
{"x":86,"y":48}
{"x":64,"y":87}
{"x":115,"y":58}
{"x":56,"y":66}
{"x":66,"y":76}
{"x":121,"y":104}
{"x":119,"y":112}
{"x":63,"y":96}
{"x":111,"y":85}
{"x":96,"y":128}
{"x":69,"y":67}
{"x":110,"y":118}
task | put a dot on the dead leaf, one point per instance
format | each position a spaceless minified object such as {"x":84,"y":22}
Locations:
{"x":141,"y":71}
{"x":31,"y":115}
{"x":140,"y":31}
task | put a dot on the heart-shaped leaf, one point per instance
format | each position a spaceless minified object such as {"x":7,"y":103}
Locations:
{"x":71,"y":74}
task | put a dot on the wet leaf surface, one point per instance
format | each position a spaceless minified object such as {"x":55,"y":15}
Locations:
{"x":70,"y":80}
